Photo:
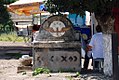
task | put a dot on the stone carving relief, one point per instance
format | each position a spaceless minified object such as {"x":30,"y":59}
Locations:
{"x":64,"y":58}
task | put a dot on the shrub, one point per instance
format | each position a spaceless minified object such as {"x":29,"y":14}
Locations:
{"x":40,"y":71}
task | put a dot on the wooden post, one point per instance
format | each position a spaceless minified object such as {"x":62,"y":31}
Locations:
{"x":115,"y":56}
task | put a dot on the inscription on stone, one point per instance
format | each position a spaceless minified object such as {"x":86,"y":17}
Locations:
{"x":63,"y":58}
{"x":52,"y":58}
{"x":56,"y":60}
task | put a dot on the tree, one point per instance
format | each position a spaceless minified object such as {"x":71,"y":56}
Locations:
{"x":103,"y":13}
{"x":4,"y":14}
{"x":102,"y":9}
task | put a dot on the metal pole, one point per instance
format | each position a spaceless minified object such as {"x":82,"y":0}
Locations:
{"x":40,"y":19}
{"x":115,"y":56}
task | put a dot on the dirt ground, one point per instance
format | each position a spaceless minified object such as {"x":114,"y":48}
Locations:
{"x":8,"y":71}
{"x":9,"y":64}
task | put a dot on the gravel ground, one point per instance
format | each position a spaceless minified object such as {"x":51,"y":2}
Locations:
{"x":8,"y":71}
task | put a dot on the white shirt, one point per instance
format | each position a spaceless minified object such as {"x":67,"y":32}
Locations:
{"x":97,"y":45}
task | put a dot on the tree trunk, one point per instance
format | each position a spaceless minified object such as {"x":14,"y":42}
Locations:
{"x":107,"y":22}
{"x":107,"y":54}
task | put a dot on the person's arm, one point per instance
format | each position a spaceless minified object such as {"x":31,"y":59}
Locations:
{"x":89,"y":48}
{"x":91,"y":44}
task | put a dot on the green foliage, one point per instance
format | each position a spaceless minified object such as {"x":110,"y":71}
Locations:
{"x":80,"y":6}
{"x":4,"y":14}
{"x":7,"y":1}
{"x":40,"y":71}
{"x":77,"y":73}
{"x":7,"y":37}
{"x":10,"y":37}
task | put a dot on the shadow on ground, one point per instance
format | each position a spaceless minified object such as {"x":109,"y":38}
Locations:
{"x":10,"y":56}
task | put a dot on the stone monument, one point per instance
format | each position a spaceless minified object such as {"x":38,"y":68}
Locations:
{"x":56,"y":47}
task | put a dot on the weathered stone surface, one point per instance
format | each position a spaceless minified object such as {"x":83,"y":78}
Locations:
{"x":26,"y":61}
{"x":24,"y":68}
{"x":73,"y":44}
{"x":56,"y":47}
{"x":58,"y":59}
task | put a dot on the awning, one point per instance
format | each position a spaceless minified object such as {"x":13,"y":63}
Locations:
{"x":27,"y":7}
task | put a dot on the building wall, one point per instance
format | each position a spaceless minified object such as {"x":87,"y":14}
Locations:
{"x":22,"y":20}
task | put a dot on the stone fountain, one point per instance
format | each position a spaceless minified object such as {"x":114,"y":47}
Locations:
{"x":55,"y":46}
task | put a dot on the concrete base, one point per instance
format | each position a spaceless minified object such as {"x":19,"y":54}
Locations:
{"x":59,"y":59}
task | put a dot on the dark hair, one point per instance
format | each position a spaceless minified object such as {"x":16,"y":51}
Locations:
{"x":98,"y":28}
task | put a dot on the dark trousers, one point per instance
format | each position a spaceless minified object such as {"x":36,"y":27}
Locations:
{"x":86,"y":61}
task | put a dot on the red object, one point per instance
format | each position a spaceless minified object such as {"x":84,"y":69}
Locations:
{"x":116,"y":23}
{"x":36,"y":28}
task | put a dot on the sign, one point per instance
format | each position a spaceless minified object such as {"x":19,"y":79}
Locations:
{"x":57,"y":25}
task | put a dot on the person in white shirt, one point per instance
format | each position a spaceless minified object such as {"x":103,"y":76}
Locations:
{"x":96,"y":43}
